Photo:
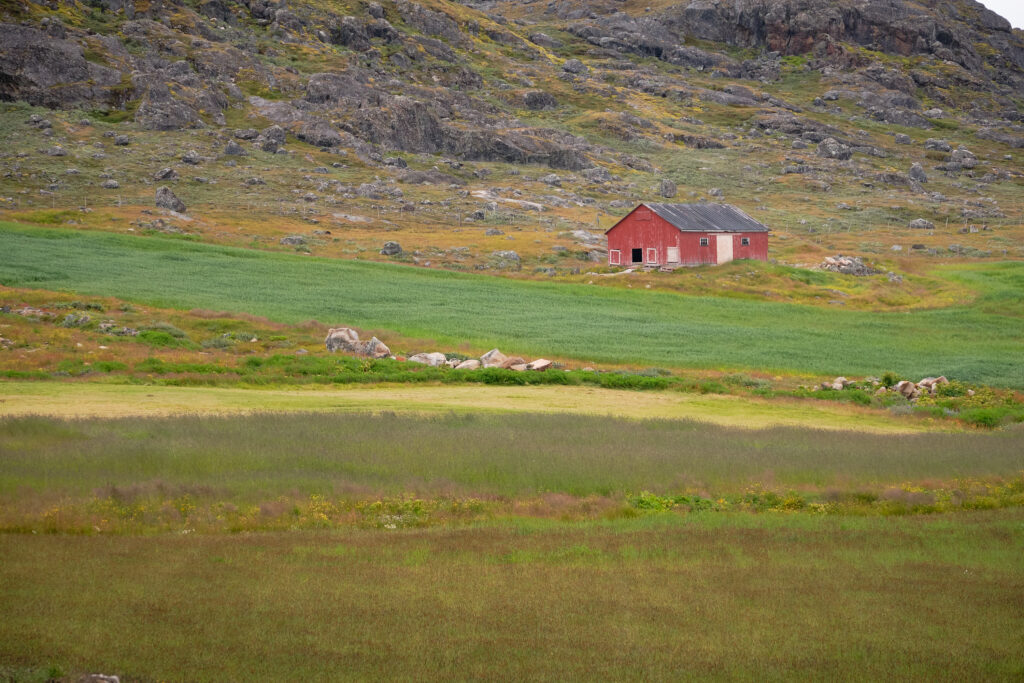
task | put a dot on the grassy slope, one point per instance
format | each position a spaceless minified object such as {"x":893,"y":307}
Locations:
{"x":748,"y":597}
{"x":524,"y":317}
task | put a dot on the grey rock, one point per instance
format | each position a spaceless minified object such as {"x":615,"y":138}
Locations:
{"x":901,"y":139}
{"x":122,"y":140}
{"x":552,"y":179}
{"x":294,"y":241}
{"x":110,"y":185}
{"x":921,"y":224}
{"x":56,"y":151}
{"x":192,"y":157}
{"x":597,"y":174}
{"x":830,"y":148}
{"x":234,"y":149}
{"x":574,"y":66}
{"x":538,"y":100}
{"x":391,"y":248}
{"x":165,"y":199}
{"x":668,"y":188}
{"x":166,"y":174}
{"x":917,"y":173}
{"x":937,"y":145}
{"x":246,"y":133}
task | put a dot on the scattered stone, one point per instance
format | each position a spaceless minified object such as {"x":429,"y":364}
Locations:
{"x":668,"y":188}
{"x":57,"y":151}
{"x":512,"y":361}
{"x":165,"y":199}
{"x":493,"y":232}
{"x":391,"y":249}
{"x":192,"y":157}
{"x":917,"y":173}
{"x":246,"y":134}
{"x":122,"y":140}
{"x":293,"y":240}
{"x":110,"y":185}
{"x":166,"y":174}
{"x":902,"y":139}
{"x":552,"y":179}
{"x":937,"y":145}
{"x":470,"y":364}
{"x":540,"y":365}
{"x":716,"y":192}
{"x":921,"y":224}
{"x":234,"y":149}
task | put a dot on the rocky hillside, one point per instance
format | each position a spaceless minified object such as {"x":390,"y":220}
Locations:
{"x":838,"y":123}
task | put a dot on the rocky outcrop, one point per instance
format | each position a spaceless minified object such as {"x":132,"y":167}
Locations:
{"x":52,"y":72}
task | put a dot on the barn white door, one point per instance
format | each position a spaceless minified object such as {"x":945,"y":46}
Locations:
{"x":724,"y":248}
{"x":672,"y":255}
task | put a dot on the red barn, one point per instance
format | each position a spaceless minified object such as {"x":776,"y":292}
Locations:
{"x":685,"y":235}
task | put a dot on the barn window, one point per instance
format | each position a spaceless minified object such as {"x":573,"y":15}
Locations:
{"x":744,"y":241}
{"x":652,"y":255}
{"x":615,"y":257}
{"x":637,"y":256}
{"x":703,"y":241}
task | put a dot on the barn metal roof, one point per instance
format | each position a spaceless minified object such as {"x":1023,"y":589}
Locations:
{"x":707,"y":217}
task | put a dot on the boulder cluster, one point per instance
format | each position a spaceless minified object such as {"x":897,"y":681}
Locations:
{"x":347,"y":340}
{"x":492,"y":359}
{"x":848,"y":265}
{"x":909,"y":390}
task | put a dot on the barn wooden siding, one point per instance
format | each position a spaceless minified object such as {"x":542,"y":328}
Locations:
{"x":644,"y":229}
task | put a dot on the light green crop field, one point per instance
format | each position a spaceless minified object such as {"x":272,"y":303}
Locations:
{"x":983,"y":343}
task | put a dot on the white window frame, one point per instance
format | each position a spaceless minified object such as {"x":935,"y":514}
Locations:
{"x":615,"y":257}
{"x":744,"y":241}
{"x":705,"y":241}
{"x":652,"y":255}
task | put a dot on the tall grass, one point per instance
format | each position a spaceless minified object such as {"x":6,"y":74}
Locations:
{"x":257,"y":457}
{"x":769,"y":597}
{"x":538,"y":318}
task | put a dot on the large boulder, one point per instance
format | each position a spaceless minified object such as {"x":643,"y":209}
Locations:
{"x":469,"y":364}
{"x":917,"y":173}
{"x":668,"y":188}
{"x":493,"y":359}
{"x":342,"y":339}
{"x":922,"y":224}
{"x":391,"y":249}
{"x":434,"y":360}
{"x":830,"y":148}
{"x":165,"y":199}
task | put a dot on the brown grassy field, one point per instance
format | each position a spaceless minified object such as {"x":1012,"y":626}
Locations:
{"x":660,"y":598}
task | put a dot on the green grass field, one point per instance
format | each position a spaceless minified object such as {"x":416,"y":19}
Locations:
{"x":574,"y":321}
